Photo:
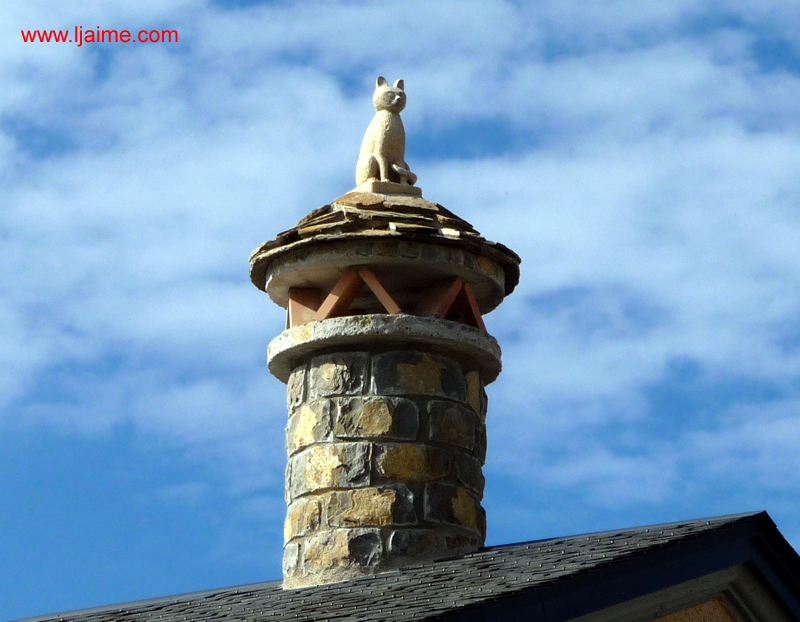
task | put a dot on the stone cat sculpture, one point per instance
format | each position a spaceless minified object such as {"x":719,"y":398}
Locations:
{"x":383,"y":150}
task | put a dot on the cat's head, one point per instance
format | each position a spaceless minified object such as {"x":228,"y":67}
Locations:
{"x":391,"y":98}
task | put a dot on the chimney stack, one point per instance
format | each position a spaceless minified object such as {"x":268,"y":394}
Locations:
{"x":386,"y":357}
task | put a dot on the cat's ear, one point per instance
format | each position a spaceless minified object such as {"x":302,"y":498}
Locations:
{"x":381,"y":81}
{"x":400,"y":85}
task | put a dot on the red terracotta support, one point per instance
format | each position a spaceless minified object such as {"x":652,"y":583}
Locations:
{"x":342,"y":295}
{"x":368,"y":276}
{"x":468,"y":306}
{"x":450,"y":298}
{"x":439,"y":297}
{"x":303,"y":304}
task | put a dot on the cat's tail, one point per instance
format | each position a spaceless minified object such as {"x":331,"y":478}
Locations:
{"x":406,"y":176}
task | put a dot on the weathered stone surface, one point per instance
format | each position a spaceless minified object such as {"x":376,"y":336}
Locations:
{"x":465,"y":508}
{"x":287,"y":482}
{"x":459,"y":543}
{"x":474,"y":392}
{"x":409,"y":372}
{"x":479,"y":449}
{"x":366,"y":507}
{"x":311,"y":423}
{"x":469,"y":472}
{"x":411,"y":544}
{"x":457,"y":341}
{"x":338,"y":548}
{"x":406,"y":372}
{"x":295,"y":388}
{"x":291,"y":559}
{"x":410,"y":462}
{"x":325,"y":550}
{"x":302,"y":517}
{"x":453,"y":381}
{"x":387,"y":187}
{"x":451,"y":504}
{"x":377,"y":417}
{"x":451,"y":423}
{"x":366,"y":548}
{"x":329,"y":465}
{"x":407,"y":248}
{"x":338,"y":374}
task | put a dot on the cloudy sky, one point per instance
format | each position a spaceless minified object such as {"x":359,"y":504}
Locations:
{"x":641,"y":157}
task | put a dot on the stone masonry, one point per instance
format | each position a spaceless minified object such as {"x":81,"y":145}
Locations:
{"x":385,"y":456}
{"x":385,"y":356}
{"x":386,"y":434}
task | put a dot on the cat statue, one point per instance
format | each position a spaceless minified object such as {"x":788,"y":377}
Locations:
{"x":383,"y":150}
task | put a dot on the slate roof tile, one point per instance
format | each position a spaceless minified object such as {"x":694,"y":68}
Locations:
{"x":359,"y":215}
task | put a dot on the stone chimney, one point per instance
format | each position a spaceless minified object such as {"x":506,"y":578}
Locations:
{"x":386,"y":357}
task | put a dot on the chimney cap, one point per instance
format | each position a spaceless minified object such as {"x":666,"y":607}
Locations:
{"x":358,"y":216}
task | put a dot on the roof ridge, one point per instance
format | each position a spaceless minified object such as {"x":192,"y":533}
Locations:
{"x":725,"y":519}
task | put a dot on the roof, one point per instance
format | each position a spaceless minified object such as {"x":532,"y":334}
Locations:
{"x":544,"y":574}
{"x":361,"y":215}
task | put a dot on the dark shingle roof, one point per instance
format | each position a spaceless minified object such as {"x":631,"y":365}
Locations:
{"x":430,"y":590}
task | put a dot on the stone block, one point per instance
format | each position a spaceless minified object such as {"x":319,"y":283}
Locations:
{"x":461,"y":543}
{"x":388,"y":187}
{"x":450,"y":423}
{"x":469,"y":472}
{"x":343,"y":373}
{"x":482,"y":523}
{"x":409,"y":372}
{"x":409,"y":250}
{"x":379,"y":417}
{"x":339,"y":548}
{"x":287,"y":482}
{"x":410,"y":462}
{"x":366,"y":548}
{"x":296,"y":388}
{"x":453,"y":381}
{"x":329,"y":465}
{"x":404,"y":545}
{"x":303,"y":516}
{"x":466,"y":508}
{"x":311,"y":423}
{"x":366,"y":507}
{"x":479,"y":449}
{"x":476,"y":394}
{"x":291,"y":560}
{"x":451,"y":504}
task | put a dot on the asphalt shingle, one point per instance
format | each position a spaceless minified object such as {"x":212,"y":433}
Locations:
{"x":419,"y":592}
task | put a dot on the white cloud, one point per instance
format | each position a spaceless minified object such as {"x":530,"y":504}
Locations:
{"x":649,"y":184}
{"x":759,"y":441}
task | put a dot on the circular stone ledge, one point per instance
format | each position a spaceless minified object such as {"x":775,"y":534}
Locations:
{"x":404,"y":267}
{"x":459,"y":341}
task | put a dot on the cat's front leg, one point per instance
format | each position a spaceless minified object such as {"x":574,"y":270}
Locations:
{"x":383,"y":167}
{"x":367,"y":168}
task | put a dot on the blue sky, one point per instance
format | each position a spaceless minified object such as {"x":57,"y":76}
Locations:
{"x":642,"y":159}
